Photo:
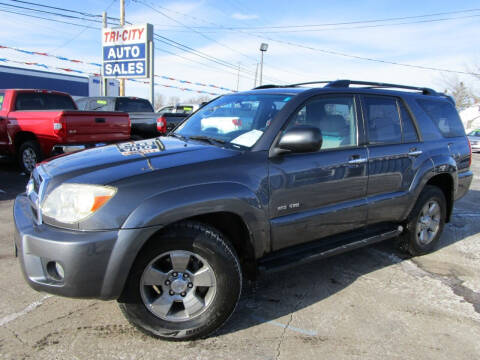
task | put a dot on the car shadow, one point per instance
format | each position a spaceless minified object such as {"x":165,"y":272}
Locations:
{"x":12,"y":180}
{"x":283,"y":293}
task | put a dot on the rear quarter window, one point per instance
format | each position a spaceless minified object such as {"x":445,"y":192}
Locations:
{"x":444,"y":115}
{"x":2,"y":96}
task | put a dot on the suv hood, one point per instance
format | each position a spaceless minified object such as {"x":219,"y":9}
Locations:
{"x":111,"y":163}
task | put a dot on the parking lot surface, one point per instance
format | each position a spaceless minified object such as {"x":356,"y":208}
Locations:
{"x":371,"y":303}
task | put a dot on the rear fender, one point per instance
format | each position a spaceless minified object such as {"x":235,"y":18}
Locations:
{"x":434,"y":166}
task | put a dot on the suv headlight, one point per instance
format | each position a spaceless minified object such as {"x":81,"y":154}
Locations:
{"x":70,"y":203}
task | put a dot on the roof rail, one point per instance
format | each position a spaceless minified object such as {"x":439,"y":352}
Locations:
{"x":347,"y":83}
{"x":268,"y":86}
{"x":309,"y":83}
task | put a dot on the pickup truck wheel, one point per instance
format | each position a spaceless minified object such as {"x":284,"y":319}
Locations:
{"x":425,"y":223}
{"x":184,"y":285}
{"x":29,"y":155}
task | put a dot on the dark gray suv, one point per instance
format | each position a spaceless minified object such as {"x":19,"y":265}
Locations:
{"x":254,"y":181}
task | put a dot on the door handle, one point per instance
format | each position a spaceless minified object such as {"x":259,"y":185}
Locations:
{"x":415,"y":152}
{"x":356,"y":159}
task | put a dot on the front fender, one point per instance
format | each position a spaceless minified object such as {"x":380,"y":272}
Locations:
{"x":171,"y":206}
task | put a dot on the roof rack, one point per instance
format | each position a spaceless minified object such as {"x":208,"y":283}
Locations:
{"x":347,"y":83}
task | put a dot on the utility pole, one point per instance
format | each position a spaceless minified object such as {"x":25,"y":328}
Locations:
{"x":122,"y":23}
{"x":104,"y":81}
{"x":263,"y":48}
{"x":256,"y":74}
{"x":238,"y":76}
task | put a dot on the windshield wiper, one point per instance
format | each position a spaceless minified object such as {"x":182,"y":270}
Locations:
{"x":208,"y":139}
{"x":178,"y":136}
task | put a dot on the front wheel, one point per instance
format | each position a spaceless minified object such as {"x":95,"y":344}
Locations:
{"x":184,"y":284}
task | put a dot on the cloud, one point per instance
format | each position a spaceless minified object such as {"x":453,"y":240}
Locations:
{"x":240,"y":16}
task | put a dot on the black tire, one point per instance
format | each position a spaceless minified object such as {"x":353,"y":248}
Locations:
{"x":136,"y":137}
{"x":29,"y":154}
{"x":205,"y":242}
{"x":409,"y":240}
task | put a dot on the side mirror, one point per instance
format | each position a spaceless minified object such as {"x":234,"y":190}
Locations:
{"x":300,"y":139}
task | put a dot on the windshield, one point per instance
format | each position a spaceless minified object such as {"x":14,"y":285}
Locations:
{"x":236,"y":119}
{"x":133,"y":105}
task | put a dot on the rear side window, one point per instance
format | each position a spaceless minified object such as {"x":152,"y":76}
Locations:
{"x":44,"y":101}
{"x":408,"y":129}
{"x":2,"y":96}
{"x":444,"y":115}
{"x":133,"y":105}
{"x":383,"y":120}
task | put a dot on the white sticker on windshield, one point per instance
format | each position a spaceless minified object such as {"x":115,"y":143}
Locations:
{"x":248,"y":139}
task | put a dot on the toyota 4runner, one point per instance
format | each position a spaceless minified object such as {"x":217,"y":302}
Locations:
{"x":254,"y":181}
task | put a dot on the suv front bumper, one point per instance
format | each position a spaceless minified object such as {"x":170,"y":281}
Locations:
{"x":84,"y":256}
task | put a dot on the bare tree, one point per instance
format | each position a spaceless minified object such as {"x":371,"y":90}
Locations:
{"x":462,"y":93}
{"x":198,"y":99}
{"x":159,"y":101}
{"x":173,"y":100}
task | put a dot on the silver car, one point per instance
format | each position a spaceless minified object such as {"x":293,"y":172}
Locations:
{"x":474,"y":137}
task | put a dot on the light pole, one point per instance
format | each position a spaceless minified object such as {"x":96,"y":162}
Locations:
{"x":263,"y":48}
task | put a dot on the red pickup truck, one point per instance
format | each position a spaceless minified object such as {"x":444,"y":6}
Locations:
{"x":37,"y":124}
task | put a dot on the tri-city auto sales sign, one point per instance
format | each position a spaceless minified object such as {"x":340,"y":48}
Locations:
{"x":125,"y":51}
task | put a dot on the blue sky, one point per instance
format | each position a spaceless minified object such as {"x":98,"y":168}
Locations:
{"x":450,"y":44}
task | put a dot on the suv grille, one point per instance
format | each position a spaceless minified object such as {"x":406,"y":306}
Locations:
{"x":35,"y":192}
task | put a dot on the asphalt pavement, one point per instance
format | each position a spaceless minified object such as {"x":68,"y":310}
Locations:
{"x":372,"y":303}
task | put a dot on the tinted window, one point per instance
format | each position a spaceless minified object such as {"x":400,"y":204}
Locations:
{"x":99,"y":105}
{"x":2,"y":96}
{"x":473,"y":133}
{"x":44,"y":101}
{"x":383,"y":122}
{"x":444,"y":115}
{"x":81,"y":103}
{"x":409,"y":131}
{"x":184,"y":109}
{"x":133,"y":105}
{"x":334,"y":116}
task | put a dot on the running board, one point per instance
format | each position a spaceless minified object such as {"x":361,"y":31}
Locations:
{"x":288,"y":258}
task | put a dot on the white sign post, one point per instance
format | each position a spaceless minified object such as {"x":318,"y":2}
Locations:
{"x":128,"y":52}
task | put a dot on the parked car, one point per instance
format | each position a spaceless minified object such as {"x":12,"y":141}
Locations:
{"x":174,"y":115}
{"x":172,"y":120}
{"x":37,"y":124}
{"x":474,"y":137}
{"x":171,"y":227}
{"x":145,"y":122}
{"x":179,"y":108}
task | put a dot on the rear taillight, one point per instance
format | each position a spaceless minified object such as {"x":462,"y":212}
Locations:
{"x":470,"y":148}
{"x":237,"y":122}
{"x":162,"y":124}
{"x":59,"y":127}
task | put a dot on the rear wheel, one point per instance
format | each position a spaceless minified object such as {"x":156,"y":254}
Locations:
{"x":183,"y":285}
{"x":425,"y":223}
{"x":29,"y":154}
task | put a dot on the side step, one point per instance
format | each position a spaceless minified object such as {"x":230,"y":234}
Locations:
{"x":287,"y":258}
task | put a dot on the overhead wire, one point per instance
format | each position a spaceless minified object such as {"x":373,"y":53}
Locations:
{"x":342,"y":54}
